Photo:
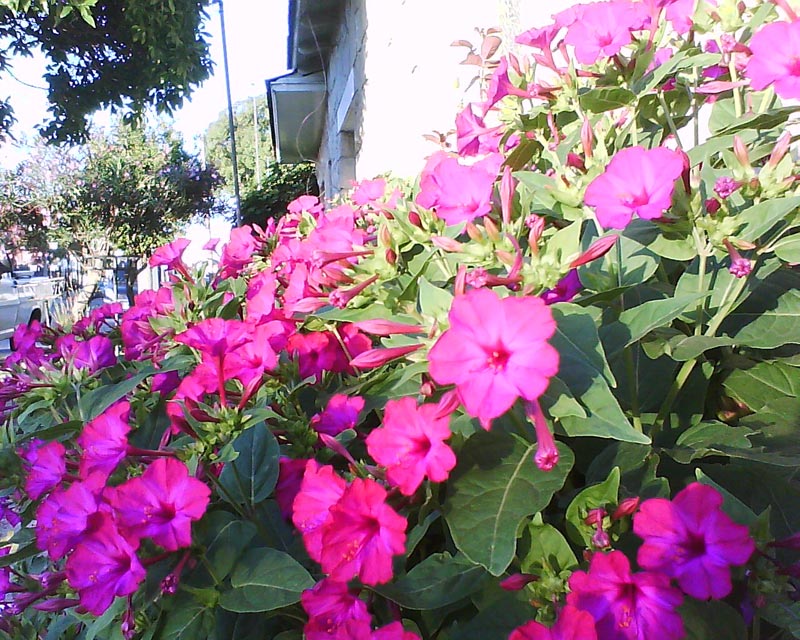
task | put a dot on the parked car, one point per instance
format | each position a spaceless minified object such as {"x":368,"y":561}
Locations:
{"x":24,"y":300}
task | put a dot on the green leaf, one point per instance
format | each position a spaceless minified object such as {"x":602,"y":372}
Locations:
{"x":549,"y":550}
{"x":434,"y":301}
{"x":724,"y":118}
{"x":605,"y":99}
{"x":761,"y":217}
{"x":763,"y":383}
{"x":734,"y":507}
{"x":98,"y":400}
{"x":711,"y":621}
{"x":578,"y":346}
{"x":265,"y":579}
{"x":20,"y":554}
{"x":683,"y":347}
{"x":771,"y":327}
{"x":596,"y":496}
{"x":439,"y":580}
{"x":188,"y":619}
{"x":642,"y":319}
{"x":496,"y":484}
{"x":225,"y":537}
{"x":709,"y":438}
{"x":252,"y":476}
{"x":789,"y":249}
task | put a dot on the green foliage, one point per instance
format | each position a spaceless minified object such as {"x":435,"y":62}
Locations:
{"x":252,"y":131}
{"x":128,"y":55}
{"x":282,"y":184}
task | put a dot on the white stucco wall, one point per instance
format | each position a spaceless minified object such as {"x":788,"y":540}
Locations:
{"x":394,"y":76}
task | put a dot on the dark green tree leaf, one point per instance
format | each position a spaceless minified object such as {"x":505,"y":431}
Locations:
{"x":251,"y":477}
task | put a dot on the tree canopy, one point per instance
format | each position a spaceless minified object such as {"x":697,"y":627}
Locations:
{"x":125,"y":55}
{"x":218,"y":143}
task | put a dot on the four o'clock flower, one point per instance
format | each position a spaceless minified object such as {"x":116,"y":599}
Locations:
{"x":776,"y":59}
{"x":572,"y":624}
{"x":495,"y":351}
{"x":410,"y":444}
{"x":637,"y":181}
{"x":320,"y":489}
{"x":104,"y":441}
{"x":626,"y":606}
{"x":363,"y":535}
{"x":161,"y":504}
{"x":692,"y":540}
{"x":332,"y":605}
{"x":46,"y":465}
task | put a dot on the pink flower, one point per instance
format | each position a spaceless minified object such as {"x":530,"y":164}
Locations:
{"x":331,"y":605}
{"x":473,"y":137}
{"x":692,"y":540}
{"x":103,"y":565}
{"x":170,"y":255}
{"x":320,"y":489}
{"x":369,"y":191}
{"x":626,"y":606}
{"x":340,"y":413}
{"x":161,"y":504}
{"x":316,"y":353}
{"x":565,"y":290}
{"x":636,"y":181}
{"x":310,"y":204}
{"x":46,"y":466}
{"x":411,"y":444}
{"x":393,"y":631}
{"x":500,"y":86}
{"x":458,"y":192}
{"x":363,"y":535}
{"x":104,"y":441}
{"x":238,"y":253}
{"x":776,"y":59}
{"x":93,"y":354}
{"x":572,"y":624}
{"x":63,"y":517}
{"x":495,"y":351}
{"x":290,"y":475}
{"x":602,"y":30}
{"x":261,"y":295}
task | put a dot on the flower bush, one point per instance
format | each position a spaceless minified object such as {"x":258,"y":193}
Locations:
{"x":547,"y":392}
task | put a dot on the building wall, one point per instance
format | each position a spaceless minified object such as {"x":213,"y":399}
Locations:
{"x":394,"y":77}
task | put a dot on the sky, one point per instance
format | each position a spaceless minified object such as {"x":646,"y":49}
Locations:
{"x":256,"y":33}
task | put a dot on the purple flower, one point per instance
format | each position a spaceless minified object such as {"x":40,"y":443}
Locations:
{"x":64,"y":516}
{"x":565,"y":290}
{"x":692,"y":540}
{"x":104,"y":441}
{"x":46,"y":466}
{"x":341,"y":413}
{"x":626,"y":606}
{"x":94,"y":354}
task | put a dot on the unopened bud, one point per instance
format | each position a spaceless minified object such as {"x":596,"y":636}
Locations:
{"x":600,"y":539}
{"x":595,"y":517}
{"x":447,"y":244}
{"x":626,"y":508}
{"x":741,"y":153}
{"x":712,"y":206}
{"x":473,"y":232}
{"x":385,"y":236}
{"x":413,"y":218}
{"x":391,"y":256}
{"x":491,"y":229}
{"x":517,"y":581}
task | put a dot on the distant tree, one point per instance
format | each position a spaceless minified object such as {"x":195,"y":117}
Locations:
{"x":218,"y":143}
{"x":283,"y":183}
{"x":124,"y":54}
{"x":129,"y":190}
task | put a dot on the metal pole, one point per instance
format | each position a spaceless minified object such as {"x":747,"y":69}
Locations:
{"x":234,"y":159}
{"x":256,"y":138}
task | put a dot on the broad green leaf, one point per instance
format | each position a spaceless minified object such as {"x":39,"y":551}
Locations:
{"x":628,"y":264}
{"x":496,"y":484}
{"x":683,"y":347}
{"x":603,"y":495}
{"x":711,"y":621}
{"x":642,"y":319}
{"x":734,"y":507}
{"x":439,"y":580}
{"x":549,"y":550}
{"x":98,"y":400}
{"x":434,"y":301}
{"x":251,"y":477}
{"x":771,"y":327}
{"x":725,"y":120}
{"x":678,"y":62}
{"x":785,"y":615}
{"x":668,"y":241}
{"x":495,"y":621}
{"x":225,"y":536}
{"x":709,"y":438}
{"x":265,"y":579}
{"x":579,"y":349}
{"x":605,"y":99}
{"x":188,"y":619}
{"x":763,"y":383}
{"x":761,"y":217}
{"x":789,"y":249}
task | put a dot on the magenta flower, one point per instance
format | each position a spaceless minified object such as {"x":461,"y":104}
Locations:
{"x":495,"y":351}
{"x":458,"y":192}
{"x":170,"y":255}
{"x":393,"y":631}
{"x":363,"y":535}
{"x":340,"y":413}
{"x":565,"y":290}
{"x":161,"y":504}
{"x":104,"y":441}
{"x":473,"y":137}
{"x":330,"y":606}
{"x":776,"y":59}
{"x":411,"y":444}
{"x":93,"y":354}
{"x":238,"y":253}
{"x":46,"y":466}
{"x":103,"y":565}
{"x":64,"y":516}
{"x":602,"y":30}
{"x":692,"y":540}
{"x":637,"y":181}
{"x":320,"y":489}
{"x":261,"y":295}
{"x":626,"y":606}
{"x":572,"y":624}
{"x":369,"y":191}
{"x":290,"y":475}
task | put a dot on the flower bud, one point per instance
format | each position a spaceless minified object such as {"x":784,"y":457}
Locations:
{"x":595,"y":517}
{"x":491,"y":229}
{"x":517,"y":581}
{"x":413,"y":218}
{"x":473,"y":232}
{"x":626,"y":508}
{"x":446,"y":244}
